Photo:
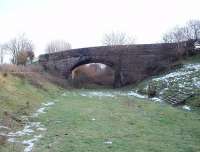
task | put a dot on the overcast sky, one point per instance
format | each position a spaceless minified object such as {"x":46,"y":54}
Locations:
{"x":84,"y":22}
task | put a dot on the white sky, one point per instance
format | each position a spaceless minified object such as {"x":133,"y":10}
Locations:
{"x":84,"y":22}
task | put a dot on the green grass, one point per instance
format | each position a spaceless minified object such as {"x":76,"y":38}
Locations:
{"x":192,"y":59}
{"x":131,"y":124}
{"x":16,"y":92}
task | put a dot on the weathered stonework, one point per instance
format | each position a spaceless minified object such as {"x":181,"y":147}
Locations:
{"x":131,"y":63}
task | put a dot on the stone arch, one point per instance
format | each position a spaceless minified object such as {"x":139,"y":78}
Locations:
{"x":95,"y":60}
{"x":87,"y":61}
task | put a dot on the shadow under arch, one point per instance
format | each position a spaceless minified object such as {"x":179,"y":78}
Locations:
{"x":82,"y":62}
{"x":88,"y":61}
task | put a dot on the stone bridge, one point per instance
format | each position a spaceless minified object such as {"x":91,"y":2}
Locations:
{"x":131,"y":63}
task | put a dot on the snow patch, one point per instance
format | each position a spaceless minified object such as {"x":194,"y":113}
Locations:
{"x":186,"y":70}
{"x":42,"y":109}
{"x":41,"y":129}
{"x":108,"y":142}
{"x":112,"y":94}
{"x":156,"y":99}
{"x":97,"y":94}
{"x":64,"y":95}
{"x":185,"y":107}
{"x":131,"y":93}
{"x":30,"y":129}
{"x":12,"y":140}
{"x":25,"y":131}
{"x":48,"y":104}
{"x":30,"y":143}
{"x":4,"y":127}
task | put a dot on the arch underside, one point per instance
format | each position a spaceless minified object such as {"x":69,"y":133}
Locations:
{"x":117,"y":78}
{"x":88,"y":61}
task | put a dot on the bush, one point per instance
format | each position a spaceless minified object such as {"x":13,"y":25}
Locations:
{"x":3,"y":140}
{"x":5,"y":74}
{"x":22,"y":58}
{"x":151,"y":90}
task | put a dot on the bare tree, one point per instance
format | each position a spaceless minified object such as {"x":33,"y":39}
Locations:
{"x":24,"y":57}
{"x":177,"y":34}
{"x":117,"y":38}
{"x":1,"y":55}
{"x":57,"y":45}
{"x":191,"y":31}
{"x":18,"y":44}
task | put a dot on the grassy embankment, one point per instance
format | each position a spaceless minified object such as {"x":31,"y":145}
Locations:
{"x":185,"y":79}
{"x":19,"y":97}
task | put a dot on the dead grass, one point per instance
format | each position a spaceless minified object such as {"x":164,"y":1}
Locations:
{"x":3,"y":140}
{"x":34,"y":74}
{"x":92,"y":74}
{"x":11,"y":68}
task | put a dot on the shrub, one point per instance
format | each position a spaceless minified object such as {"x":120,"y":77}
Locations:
{"x":5,"y":74}
{"x":151,"y":90}
{"x":22,"y":58}
{"x":3,"y":140}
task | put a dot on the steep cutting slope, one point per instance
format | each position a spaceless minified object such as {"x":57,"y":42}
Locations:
{"x":18,"y":99}
{"x":177,"y":86}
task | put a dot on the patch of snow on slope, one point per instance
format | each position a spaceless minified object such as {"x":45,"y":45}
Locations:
{"x":30,"y":143}
{"x":185,"y":79}
{"x":117,"y":93}
{"x":131,"y":93}
{"x":97,"y":94}
{"x":30,"y":130}
{"x":186,"y":107}
{"x":186,"y":70}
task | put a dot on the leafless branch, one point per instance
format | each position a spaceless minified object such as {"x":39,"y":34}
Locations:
{"x":57,"y":45}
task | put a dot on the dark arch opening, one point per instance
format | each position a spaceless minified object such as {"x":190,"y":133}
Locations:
{"x":89,"y":73}
{"x":90,"y":61}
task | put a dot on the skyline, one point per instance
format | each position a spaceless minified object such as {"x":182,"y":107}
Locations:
{"x":83,"y":23}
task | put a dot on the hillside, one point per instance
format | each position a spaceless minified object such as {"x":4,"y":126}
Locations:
{"x":179,"y":85}
{"x":19,"y":98}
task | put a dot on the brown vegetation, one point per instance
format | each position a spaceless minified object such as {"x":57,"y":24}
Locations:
{"x":151,"y":90}
{"x":17,"y":45}
{"x":34,"y":74}
{"x":3,"y":140}
{"x":86,"y":74}
{"x":92,"y":73}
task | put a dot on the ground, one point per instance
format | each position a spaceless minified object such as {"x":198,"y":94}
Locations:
{"x":80,"y":120}
{"x":118,"y":124}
